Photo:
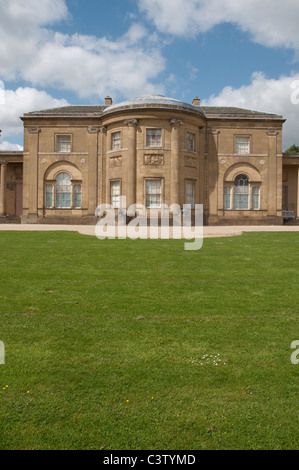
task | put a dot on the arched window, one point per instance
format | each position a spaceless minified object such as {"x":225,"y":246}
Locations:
{"x":241,"y":192}
{"x":242,"y":195}
{"x":63,"y":193}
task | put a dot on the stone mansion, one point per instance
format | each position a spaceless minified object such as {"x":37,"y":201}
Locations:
{"x":153,"y":150}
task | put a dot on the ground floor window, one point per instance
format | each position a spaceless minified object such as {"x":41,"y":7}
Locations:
{"x":63,"y":193}
{"x":190,"y":193}
{"x":242,"y":195}
{"x":153,"y":194}
{"x":115,"y":194}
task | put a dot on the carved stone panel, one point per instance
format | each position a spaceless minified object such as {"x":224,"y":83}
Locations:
{"x":115,"y":161}
{"x":191,"y":162}
{"x":153,"y":159}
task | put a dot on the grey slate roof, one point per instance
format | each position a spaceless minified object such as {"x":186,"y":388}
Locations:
{"x":69,"y":110}
{"x":153,"y":101}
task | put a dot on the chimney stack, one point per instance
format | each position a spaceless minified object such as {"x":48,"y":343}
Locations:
{"x":196,"y":101}
{"x":108,"y":101}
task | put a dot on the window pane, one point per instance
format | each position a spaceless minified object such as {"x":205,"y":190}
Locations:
{"x":63,"y":143}
{"x":241,"y":201}
{"x":116,"y":141}
{"x":243,"y":145}
{"x":241,"y":192}
{"x":115,"y":194}
{"x":77,"y":196}
{"x":190,"y":194}
{"x":227,"y":197}
{"x":49,"y":196}
{"x":153,"y":138}
{"x":190,"y":142}
{"x":153,"y":193}
{"x":63,"y":191}
{"x":255,"y":198}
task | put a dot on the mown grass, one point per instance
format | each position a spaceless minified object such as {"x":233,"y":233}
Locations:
{"x":139,"y":344}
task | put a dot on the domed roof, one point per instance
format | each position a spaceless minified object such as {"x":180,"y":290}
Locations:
{"x":153,"y":101}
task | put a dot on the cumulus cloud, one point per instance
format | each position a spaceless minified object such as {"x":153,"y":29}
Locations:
{"x":92,"y":66}
{"x":9,"y":146}
{"x":271,"y":22}
{"x":23,"y":29}
{"x":89,"y":66}
{"x":278,"y":96}
{"x":20,"y":101}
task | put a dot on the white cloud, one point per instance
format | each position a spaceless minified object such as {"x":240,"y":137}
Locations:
{"x":20,"y":101}
{"x":87,"y":65}
{"x":266,"y":95}
{"x":9,"y":146}
{"x":270,"y":22}
{"x":92,"y":66}
{"x":23,"y":30}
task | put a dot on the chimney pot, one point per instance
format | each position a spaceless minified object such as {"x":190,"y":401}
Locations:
{"x":196,"y":101}
{"x":108,"y":101}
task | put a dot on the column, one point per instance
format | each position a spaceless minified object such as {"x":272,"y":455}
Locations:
{"x":213,"y":173}
{"x":33,"y":174}
{"x":102,"y":168}
{"x":131,"y":164}
{"x":92,"y":169}
{"x":272,"y":171}
{"x":175,"y":125}
{"x":2,"y":189}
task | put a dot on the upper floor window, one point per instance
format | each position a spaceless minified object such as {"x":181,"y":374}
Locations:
{"x":116,"y":141}
{"x":242,"y":145}
{"x":63,"y":143}
{"x":190,"y":142}
{"x":154,"y":138}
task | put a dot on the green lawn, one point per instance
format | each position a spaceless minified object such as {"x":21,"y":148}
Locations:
{"x":141,"y":345}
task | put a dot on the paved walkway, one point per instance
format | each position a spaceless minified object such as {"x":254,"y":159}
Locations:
{"x":208,"y":232}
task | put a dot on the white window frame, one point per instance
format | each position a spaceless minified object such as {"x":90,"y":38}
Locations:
{"x":190,"y":141}
{"x":116,"y":140}
{"x":75,"y":194}
{"x":242,"y":145}
{"x":115,"y":193}
{"x":256,"y":196}
{"x":63,"y":143}
{"x":227,"y":200}
{"x":154,"y":138}
{"x":190,"y":188}
{"x":153,"y":193}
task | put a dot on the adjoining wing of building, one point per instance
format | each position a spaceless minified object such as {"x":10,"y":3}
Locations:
{"x":150,"y":151}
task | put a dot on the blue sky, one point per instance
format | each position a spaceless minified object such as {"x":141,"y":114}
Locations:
{"x":227,"y":52}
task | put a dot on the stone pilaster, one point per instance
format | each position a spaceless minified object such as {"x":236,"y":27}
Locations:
{"x":93,"y":132}
{"x":102,"y":166}
{"x":213,"y":171}
{"x":33,"y":141}
{"x":272,"y":172}
{"x":175,"y":125}
{"x":131,"y":163}
{"x":2,"y":189}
